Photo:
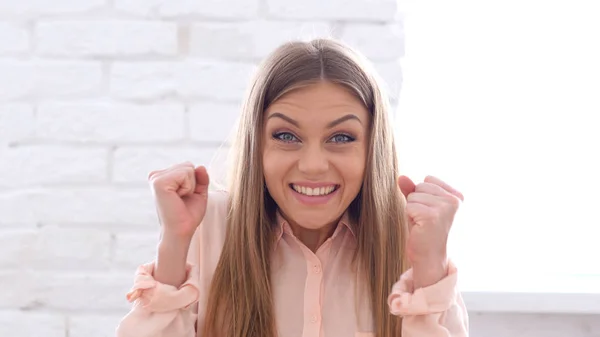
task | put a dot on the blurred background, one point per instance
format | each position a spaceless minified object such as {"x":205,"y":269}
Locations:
{"x":498,"y":98}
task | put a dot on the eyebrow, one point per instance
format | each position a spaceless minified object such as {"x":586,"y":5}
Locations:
{"x":329,"y":126}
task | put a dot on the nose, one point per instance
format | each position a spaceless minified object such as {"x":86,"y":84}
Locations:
{"x":313,"y":161}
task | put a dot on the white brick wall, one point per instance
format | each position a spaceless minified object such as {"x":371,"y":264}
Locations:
{"x":37,"y":79}
{"x":106,"y":38}
{"x":33,"y":9}
{"x":192,"y":79}
{"x":198,"y":10}
{"x":246,"y":40}
{"x":14,"y":37}
{"x":96,"y":93}
{"x":109,"y":122}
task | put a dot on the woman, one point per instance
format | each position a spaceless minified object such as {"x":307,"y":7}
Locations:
{"x":314,"y":237}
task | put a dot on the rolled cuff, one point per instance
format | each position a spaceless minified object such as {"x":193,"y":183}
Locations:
{"x":158,"y":297}
{"x":404,"y":300}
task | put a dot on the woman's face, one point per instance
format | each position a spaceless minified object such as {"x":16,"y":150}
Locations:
{"x":314,"y":154}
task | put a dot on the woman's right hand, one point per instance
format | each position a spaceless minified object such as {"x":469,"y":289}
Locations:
{"x":181,"y":194}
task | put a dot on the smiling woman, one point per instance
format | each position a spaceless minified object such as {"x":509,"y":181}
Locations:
{"x":312,"y":146}
{"x":313,"y":236}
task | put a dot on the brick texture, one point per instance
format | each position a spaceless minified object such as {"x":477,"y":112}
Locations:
{"x":94,"y":94}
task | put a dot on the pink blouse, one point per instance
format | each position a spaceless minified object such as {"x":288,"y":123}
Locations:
{"x":313,"y":294}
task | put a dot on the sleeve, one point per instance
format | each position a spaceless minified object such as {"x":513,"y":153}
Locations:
{"x":161,"y":309}
{"x":434,"y":311}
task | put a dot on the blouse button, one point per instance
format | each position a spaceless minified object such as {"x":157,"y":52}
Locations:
{"x":314,"y":319}
{"x":317,"y":268}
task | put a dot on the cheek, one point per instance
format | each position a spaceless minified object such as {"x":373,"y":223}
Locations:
{"x":269,"y":167}
{"x":275,"y":167}
{"x":352,"y":168}
{"x":355,"y":175}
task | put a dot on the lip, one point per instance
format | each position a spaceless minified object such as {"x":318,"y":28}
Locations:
{"x":312,"y":184}
{"x":314,"y":200}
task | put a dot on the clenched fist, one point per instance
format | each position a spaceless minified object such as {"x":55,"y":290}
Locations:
{"x":430,"y":208}
{"x":181,"y":194}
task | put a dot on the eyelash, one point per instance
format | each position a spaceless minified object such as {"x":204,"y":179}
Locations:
{"x":277,"y":136}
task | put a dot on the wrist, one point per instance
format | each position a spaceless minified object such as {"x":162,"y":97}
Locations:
{"x":429,"y":271}
{"x":174,"y":242}
{"x":431,"y":259}
{"x":171,"y":260}
{"x":175,"y":236}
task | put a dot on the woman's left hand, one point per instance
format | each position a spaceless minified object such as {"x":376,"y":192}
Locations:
{"x":430,"y":209}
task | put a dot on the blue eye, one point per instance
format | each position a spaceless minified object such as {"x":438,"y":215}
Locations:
{"x":285,"y":137}
{"x":342,"y":138}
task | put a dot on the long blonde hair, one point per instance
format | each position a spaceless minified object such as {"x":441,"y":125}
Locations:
{"x":240,"y":303}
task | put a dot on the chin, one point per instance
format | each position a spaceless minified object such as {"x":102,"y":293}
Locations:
{"x":314,"y":219}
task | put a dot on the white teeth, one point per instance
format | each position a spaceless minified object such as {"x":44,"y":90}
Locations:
{"x":313,"y":191}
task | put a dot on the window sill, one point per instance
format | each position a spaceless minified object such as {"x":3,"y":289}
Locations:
{"x":532,"y":303}
{"x":546,"y":294}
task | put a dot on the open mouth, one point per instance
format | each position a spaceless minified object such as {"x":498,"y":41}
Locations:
{"x":314,"y":191}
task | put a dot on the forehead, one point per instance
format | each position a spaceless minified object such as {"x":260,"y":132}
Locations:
{"x":317,"y":101}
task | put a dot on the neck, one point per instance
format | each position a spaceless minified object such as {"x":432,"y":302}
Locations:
{"x":313,"y":238}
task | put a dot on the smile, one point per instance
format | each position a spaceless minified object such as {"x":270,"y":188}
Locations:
{"x":314,"y":191}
